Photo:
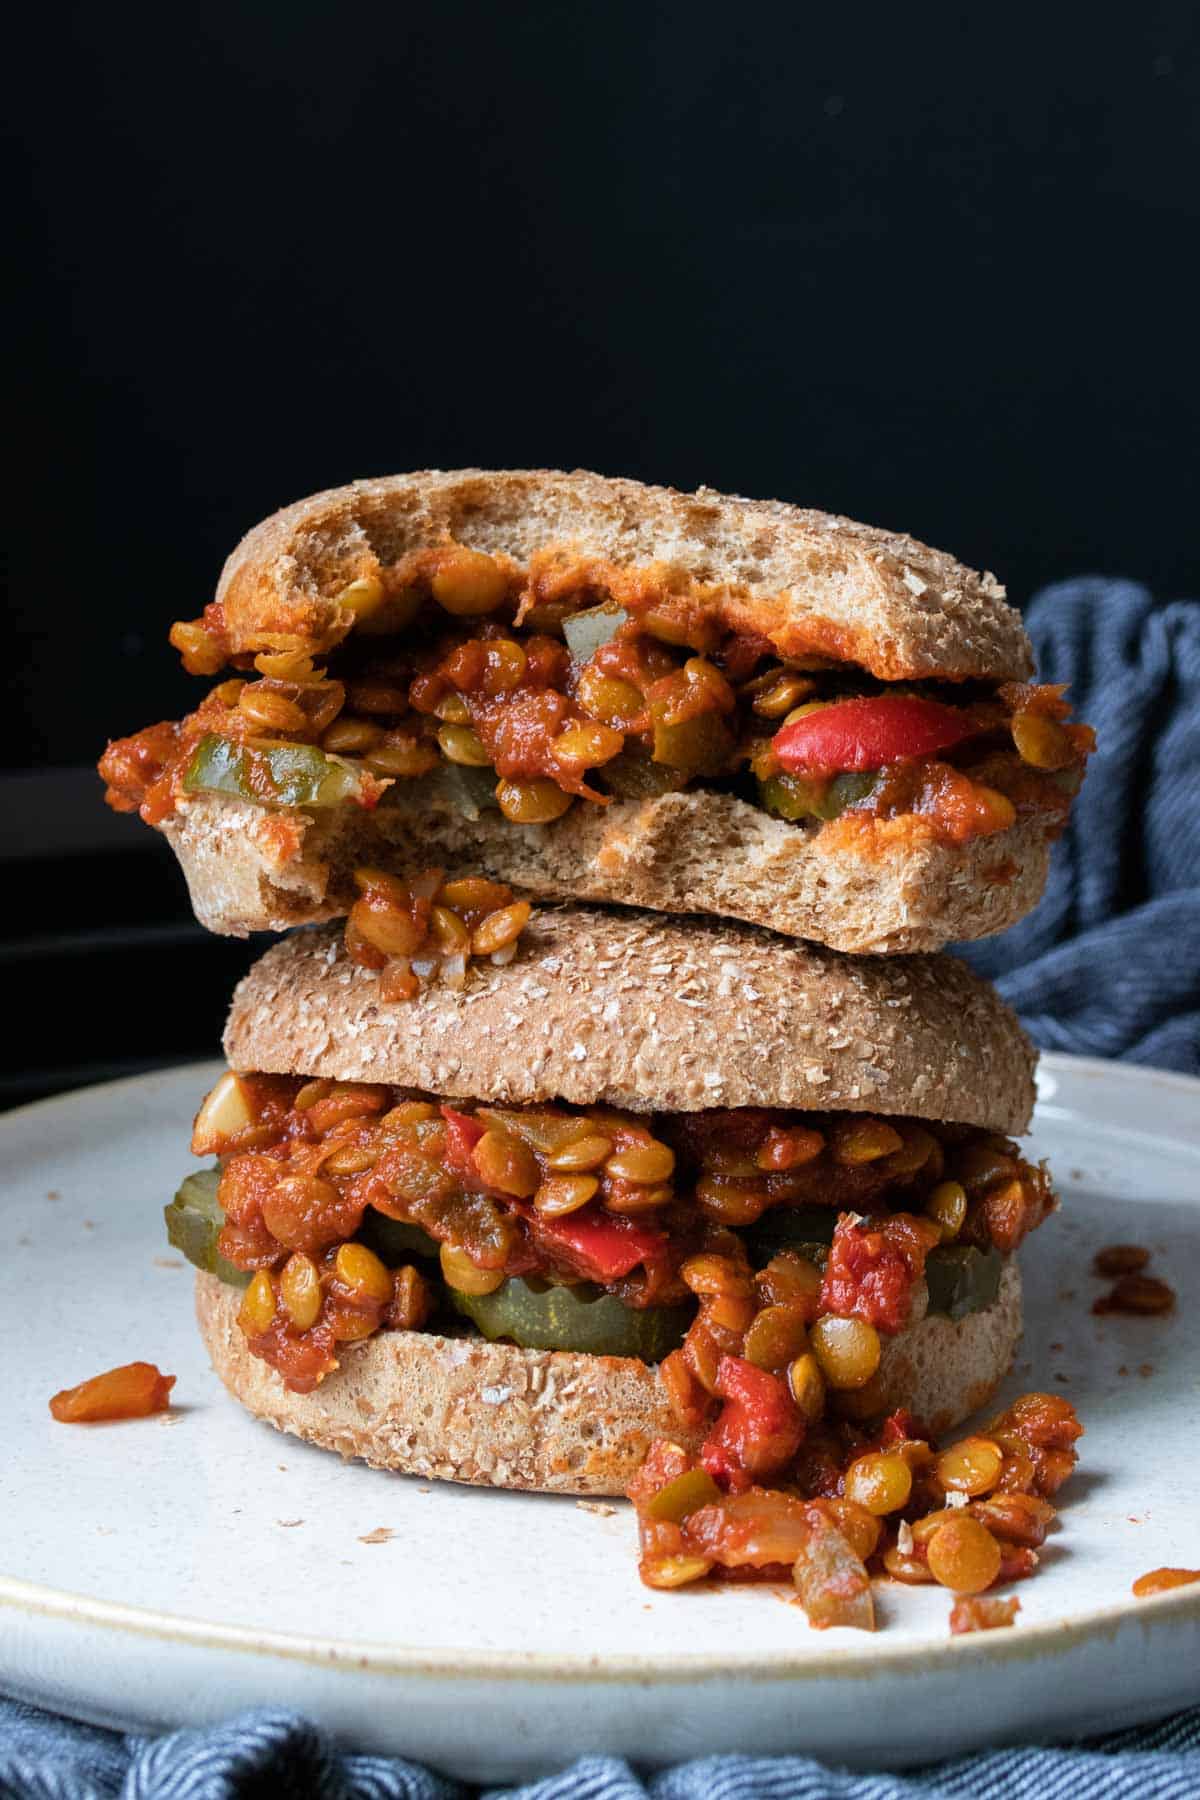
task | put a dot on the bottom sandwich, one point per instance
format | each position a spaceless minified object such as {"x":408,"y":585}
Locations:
{"x":678,"y":1210}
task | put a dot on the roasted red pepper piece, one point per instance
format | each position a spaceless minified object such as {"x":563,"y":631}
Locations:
{"x":759,"y":1429}
{"x":872,"y":1266}
{"x":869,"y":733}
{"x":462,"y":1135}
{"x":602,"y":1247}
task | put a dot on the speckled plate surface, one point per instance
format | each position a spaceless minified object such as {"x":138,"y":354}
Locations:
{"x":174,"y":1570}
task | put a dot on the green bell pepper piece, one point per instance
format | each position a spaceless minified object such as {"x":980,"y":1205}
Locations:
{"x":469,"y":791}
{"x":698,"y":746}
{"x":632,"y":775}
{"x":270,"y":774}
{"x":799,"y":797}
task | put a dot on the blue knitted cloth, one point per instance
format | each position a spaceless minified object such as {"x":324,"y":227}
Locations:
{"x":1108,"y":965}
{"x":269,"y":1753}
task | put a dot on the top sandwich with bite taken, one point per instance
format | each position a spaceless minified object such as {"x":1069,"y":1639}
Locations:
{"x":594,"y":689}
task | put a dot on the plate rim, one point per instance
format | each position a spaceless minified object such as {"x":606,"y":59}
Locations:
{"x":39,"y":1601}
{"x":1176,"y":1605}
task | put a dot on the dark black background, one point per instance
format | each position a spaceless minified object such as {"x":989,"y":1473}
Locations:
{"x":932,"y":267}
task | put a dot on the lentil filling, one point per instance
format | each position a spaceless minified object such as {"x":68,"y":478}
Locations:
{"x":845,"y":1505}
{"x":760,"y":1257}
{"x":537,"y":690}
{"x":425,"y":929}
{"x":780,"y":1239}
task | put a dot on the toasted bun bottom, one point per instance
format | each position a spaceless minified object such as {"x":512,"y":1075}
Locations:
{"x":461,"y":1409}
{"x":862,"y":887}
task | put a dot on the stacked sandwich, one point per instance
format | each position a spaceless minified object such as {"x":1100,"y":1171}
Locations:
{"x":721,"y":1208}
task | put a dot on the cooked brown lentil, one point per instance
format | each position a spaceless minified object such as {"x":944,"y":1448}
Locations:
{"x":395,"y":922}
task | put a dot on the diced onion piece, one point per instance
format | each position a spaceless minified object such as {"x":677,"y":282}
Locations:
{"x":425,"y":885}
{"x":454,"y":971}
{"x":224,"y":1115}
{"x":832,"y":1582}
{"x":586,"y":631}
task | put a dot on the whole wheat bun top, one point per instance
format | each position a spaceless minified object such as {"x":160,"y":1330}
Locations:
{"x":811,"y":582}
{"x":654,"y":1014}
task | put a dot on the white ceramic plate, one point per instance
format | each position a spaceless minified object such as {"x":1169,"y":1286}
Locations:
{"x":173,"y":1570}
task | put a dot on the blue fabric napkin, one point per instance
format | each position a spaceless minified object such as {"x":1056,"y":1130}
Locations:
{"x":273,"y":1753}
{"x":1108,"y":965}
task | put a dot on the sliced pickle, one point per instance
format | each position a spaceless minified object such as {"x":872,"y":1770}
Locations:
{"x":271,"y":773}
{"x":585,"y":632}
{"x":542,"y":1316}
{"x":701,"y":745}
{"x":962,"y":1279}
{"x":194,"y":1220}
{"x":801,"y":797}
{"x":394,"y":1241}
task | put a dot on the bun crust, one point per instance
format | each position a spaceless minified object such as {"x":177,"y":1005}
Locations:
{"x":461,"y":1409}
{"x":861,"y":886}
{"x":654,"y":1014}
{"x":809,"y":581}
